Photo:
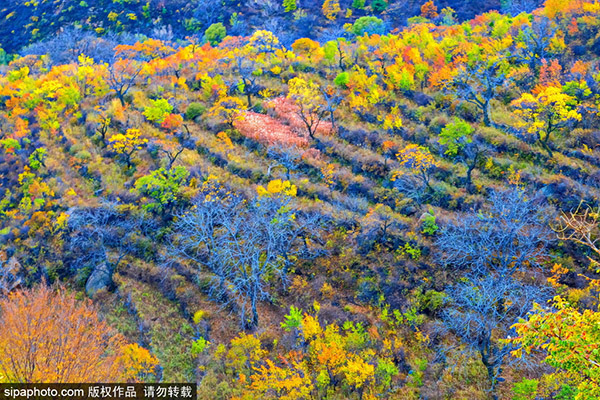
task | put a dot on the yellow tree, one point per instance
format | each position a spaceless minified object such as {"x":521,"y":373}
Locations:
{"x":91,"y":78}
{"x":419,"y":161}
{"x":391,"y":121}
{"x":308,"y":49}
{"x":332,"y":361}
{"x":128,"y":143}
{"x":49,"y":336}
{"x":570,"y":339}
{"x":227,"y":110}
{"x":547,"y":112}
{"x":312,"y":107}
{"x":331,"y":9}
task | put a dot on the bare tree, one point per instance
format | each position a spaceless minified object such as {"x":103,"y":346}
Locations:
{"x":482,"y":310}
{"x":478,"y":84}
{"x":243,"y":244}
{"x":70,"y":43}
{"x":516,"y":7}
{"x":381,"y":225}
{"x":268,"y":8}
{"x":174,"y":145}
{"x":209,"y":12}
{"x":123,"y":74}
{"x":286,"y":157}
{"x":581,"y":226}
{"x":104,"y":235}
{"x":536,"y":43}
{"x":413,"y":188}
{"x":508,"y":234}
{"x":472,"y":153}
{"x":333,"y":98}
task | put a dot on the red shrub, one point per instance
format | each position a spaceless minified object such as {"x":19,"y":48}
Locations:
{"x":285,"y":110}
{"x":267,"y":130}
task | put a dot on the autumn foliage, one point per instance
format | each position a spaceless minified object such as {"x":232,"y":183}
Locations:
{"x":268,"y":130}
{"x":429,"y":10}
{"x":49,"y":336}
{"x":201,"y":173}
{"x":285,"y":110}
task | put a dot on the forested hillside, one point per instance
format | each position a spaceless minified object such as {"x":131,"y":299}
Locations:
{"x":25,"y":22}
{"x":401,"y":203}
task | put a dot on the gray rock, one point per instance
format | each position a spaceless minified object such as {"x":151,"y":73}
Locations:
{"x":100,"y":278}
{"x":408,"y":210}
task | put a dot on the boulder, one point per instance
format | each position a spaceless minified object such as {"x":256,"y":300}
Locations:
{"x":100,"y":278}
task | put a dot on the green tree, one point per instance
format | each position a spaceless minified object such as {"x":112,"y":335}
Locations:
{"x":569,"y":337}
{"x":4,"y":58}
{"x":37,"y":159}
{"x":342,"y":80}
{"x":379,"y":6}
{"x":455,"y":136}
{"x":458,"y":139}
{"x":358,"y":4}
{"x":164,"y":187}
{"x":368,"y":25}
{"x":215,"y":33}
{"x":289,"y":5}
{"x":158,"y":110}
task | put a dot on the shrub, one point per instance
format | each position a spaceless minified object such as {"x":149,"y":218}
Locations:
{"x":83,"y":155}
{"x":429,"y":225}
{"x":158,"y":110}
{"x":367,"y":291}
{"x":293,"y":319}
{"x":342,"y":80}
{"x":267,"y":130}
{"x":199,"y":346}
{"x":525,"y":390}
{"x":194,"y":110}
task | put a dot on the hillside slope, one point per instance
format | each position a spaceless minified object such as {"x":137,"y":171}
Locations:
{"x":358,"y":218}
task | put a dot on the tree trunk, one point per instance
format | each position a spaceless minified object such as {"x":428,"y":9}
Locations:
{"x":254,"y":312}
{"x":485,"y":352}
{"x":249,"y":97}
{"x":487,"y":121}
{"x":470,"y":168}
{"x":332,"y":121}
{"x":544,"y":142}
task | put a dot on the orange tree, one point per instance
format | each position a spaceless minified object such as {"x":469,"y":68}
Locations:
{"x":49,"y":336}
